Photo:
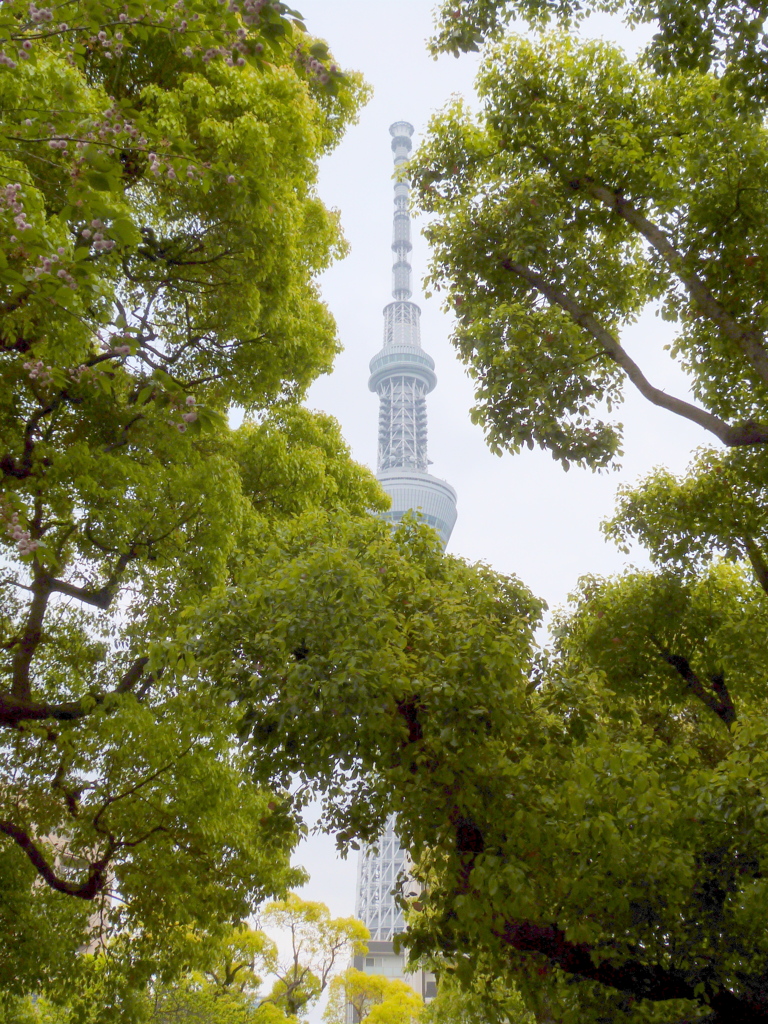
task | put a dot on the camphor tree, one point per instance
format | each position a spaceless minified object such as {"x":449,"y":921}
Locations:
{"x":373,"y":998}
{"x":318,"y":945}
{"x":617,"y":855}
{"x":581,"y":193}
{"x":160,"y":238}
{"x":724,"y":36}
{"x":219,"y":985}
{"x":169,"y":584}
{"x":233,"y":976}
{"x":592,"y":822}
{"x":225,"y":978}
{"x":489,"y":1000}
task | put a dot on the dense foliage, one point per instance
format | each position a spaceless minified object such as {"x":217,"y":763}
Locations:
{"x":161,"y":236}
{"x":585,"y":189}
{"x":202,"y":627}
{"x":612,"y":865}
{"x":225,"y":978}
{"x":317,"y":948}
{"x":373,"y":998}
{"x":724,"y":36}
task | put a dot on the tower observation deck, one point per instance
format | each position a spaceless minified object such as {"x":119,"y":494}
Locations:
{"x":403,"y":374}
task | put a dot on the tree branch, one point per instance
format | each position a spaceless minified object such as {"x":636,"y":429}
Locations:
{"x":103,"y":597}
{"x":22,"y":468}
{"x":644,"y":981}
{"x":758,"y":562}
{"x":748,"y":341}
{"x":29,"y":640}
{"x":14,"y":709}
{"x":98,"y":598}
{"x":742,"y":434}
{"x":87,"y":890}
{"x":718,"y":699}
{"x":131,"y":791}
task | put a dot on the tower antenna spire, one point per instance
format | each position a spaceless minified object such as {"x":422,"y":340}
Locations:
{"x":401,"y":133}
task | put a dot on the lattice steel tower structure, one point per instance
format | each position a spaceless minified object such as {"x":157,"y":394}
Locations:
{"x":379,"y":868}
{"x":402,"y":374}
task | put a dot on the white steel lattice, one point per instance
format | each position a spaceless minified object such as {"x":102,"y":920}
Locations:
{"x":401,"y":324}
{"x":402,"y":423}
{"x":381,"y":869}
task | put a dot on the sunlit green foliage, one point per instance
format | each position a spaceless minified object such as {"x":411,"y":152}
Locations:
{"x":161,"y":235}
{"x":724,"y":36}
{"x":373,"y":998}
{"x":589,"y":824}
{"x":318,"y":945}
{"x":612,"y":866}
{"x":489,"y":999}
{"x":225,"y":976}
{"x":585,"y":189}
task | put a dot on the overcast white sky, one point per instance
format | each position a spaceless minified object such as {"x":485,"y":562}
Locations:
{"x":522,"y":514}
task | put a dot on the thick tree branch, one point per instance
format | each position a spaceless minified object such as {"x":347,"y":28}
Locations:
{"x":101,"y":598}
{"x":87,"y":890}
{"x":132,"y":675}
{"x":758,"y":562}
{"x":643,"y":981}
{"x":29,"y":640}
{"x":748,"y":341}
{"x":14,"y":709}
{"x":717,"y":698}
{"x":746,"y":433}
{"x":98,"y":869}
{"x":98,"y":598}
{"x":22,"y":468}
{"x":18,"y":344}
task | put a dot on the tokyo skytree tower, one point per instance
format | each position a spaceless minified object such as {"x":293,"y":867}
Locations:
{"x":402,"y":374}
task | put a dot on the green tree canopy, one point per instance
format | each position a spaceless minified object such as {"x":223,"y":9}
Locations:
{"x":488,"y":1000}
{"x":716,"y":510}
{"x":612,"y":866}
{"x":318,"y":945}
{"x":373,"y":998}
{"x":225,"y":979}
{"x":585,"y":189}
{"x":614,"y":859}
{"x":219,"y":985}
{"x":590,"y":821}
{"x":161,"y":238}
{"x":724,"y":36}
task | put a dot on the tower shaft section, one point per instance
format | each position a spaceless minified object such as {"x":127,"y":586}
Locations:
{"x":380,"y":870}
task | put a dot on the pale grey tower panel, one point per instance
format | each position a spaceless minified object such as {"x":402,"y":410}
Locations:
{"x":433,"y":499}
